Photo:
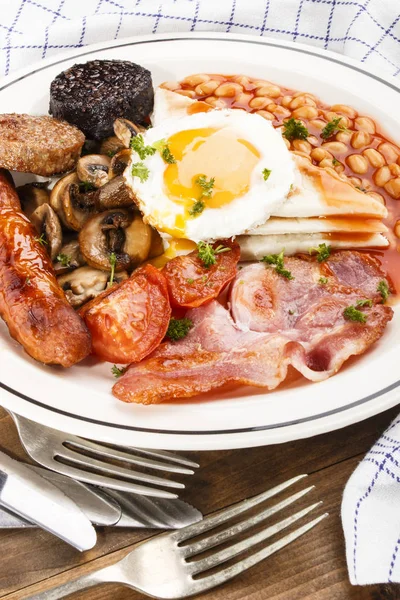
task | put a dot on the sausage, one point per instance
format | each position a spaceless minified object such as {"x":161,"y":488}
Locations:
{"x":32,"y":303}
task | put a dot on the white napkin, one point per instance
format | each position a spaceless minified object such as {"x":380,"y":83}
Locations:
{"x":371,"y":513}
{"x":368,"y":30}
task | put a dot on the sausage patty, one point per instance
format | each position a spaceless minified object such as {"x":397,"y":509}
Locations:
{"x":32,"y":303}
{"x":40,"y":145}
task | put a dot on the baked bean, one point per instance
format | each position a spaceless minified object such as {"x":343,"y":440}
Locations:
{"x":303,"y":154}
{"x":389,"y":151}
{"x":331,"y":116}
{"x":374,"y":157}
{"x":393,"y":187}
{"x":243,"y":98}
{"x":357,"y":163}
{"x":308,"y":94}
{"x":356,"y":181}
{"x":206,"y":88}
{"x":336,"y":147}
{"x":305,"y":112}
{"x":338,"y":166}
{"x":313,"y":140}
{"x":286,"y":100}
{"x":377,"y":197}
{"x":317,"y":123}
{"x":382,"y":176}
{"x":243,"y":81}
{"x":171,"y":85}
{"x":326,"y":162}
{"x":343,"y":136}
{"x":331,"y":171}
{"x":394,"y":169}
{"x":259,"y":83}
{"x":364,"y":124}
{"x":343,"y":109}
{"x":302,"y":100}
{"x":188,"y":93}
{"x":193,"y":80}
{"x":319,"y":154}
{"x":397,"y":229}
{"x":281,"y":111}
{"x":360,"y":139}
{"x":273,"y":91}
{"x":260,"y":102}
{"x":302,"y":146}
{"x":228,"y":90}
{"x":215,"y":102}
{"x":266,"y":115}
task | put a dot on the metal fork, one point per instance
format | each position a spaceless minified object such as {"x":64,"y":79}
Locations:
{"x":49,"y":447}
{"x":160,"y":567}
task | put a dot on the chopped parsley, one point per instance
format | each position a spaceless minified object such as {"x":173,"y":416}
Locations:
{"x":41,"y":240}
{"x":277,"y":260}
{"x":165,"y":152}
{"x":384,"y":290}
{"x":117,"y":372}
{"x":28,"y":281}
{"x":366,"y":302}
{"x":111,"y":153}
{"x":323,"y":252}
{"x":332,"y":127}
{"x":113,"y":262}
{"x":64,"y":259}
{"x":294,"y":130}
{"x":206,"y":186}
{"x":207,"y":254}
{"x":178,"y":328}
{"x":351,"y":313}
{"x":291,"y":311}
{"x":335,"y":162}
{"x":266,"y":173}
{"x":140,"y":170}
{"x":86,"y":186}
{"x":137,"y":144}
{"x":362,"y":189}
{"x":323,"y":280}
{"x":190,"y":281}
{"x":197,"y":208}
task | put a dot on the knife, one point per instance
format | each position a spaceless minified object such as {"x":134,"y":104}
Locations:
{"x":30,"y":496}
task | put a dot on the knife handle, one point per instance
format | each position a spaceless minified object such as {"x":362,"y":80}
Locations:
{"x":111,"y":574}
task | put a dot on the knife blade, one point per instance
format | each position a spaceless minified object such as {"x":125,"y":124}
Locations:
{"x":30,"y":496}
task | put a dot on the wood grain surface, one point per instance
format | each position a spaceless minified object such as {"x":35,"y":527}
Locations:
{"x":313,"y":567}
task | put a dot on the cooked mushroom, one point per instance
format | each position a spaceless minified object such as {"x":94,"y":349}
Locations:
{"x":93,"y":169}
{"x":57,"y":193}
{"x":115,"y":233}
{"x":86,"y":283}
{"x":113,"y":194}
{"x":119,"y":162}
{"x":69,"y":258}
{"x":111,"y":146}
{"x":77,"y":205}
{"x":157,"y":246}
{"x":125,"y":130}
{"x":48,"y":227}
{"x":32,"y":195}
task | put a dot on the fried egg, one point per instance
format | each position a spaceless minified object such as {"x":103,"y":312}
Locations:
{"x":228,"y":171}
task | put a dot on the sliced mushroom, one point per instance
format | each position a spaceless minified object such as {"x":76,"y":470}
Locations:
{"x":32,"y":195}
{"x":125,"y":130}
{"x":113,"y":194}
{"x":77,"y":206}
{"x":86,"y":283}
{"x":93,"y":169}
{"x":48,"y":227}
{"x":118,"y":232}
{"x":57,"y":193}
{"x":119,"y":162}
{"x":111,"y":146}
{"x":157,"y":245}
{"x":69,"y":258}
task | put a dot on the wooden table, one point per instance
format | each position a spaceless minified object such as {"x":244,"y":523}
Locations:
{"x":312,"y":567}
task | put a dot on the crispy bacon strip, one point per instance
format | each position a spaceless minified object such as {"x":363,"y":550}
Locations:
{"x":32,"y":303}
{"x":277,"y":323}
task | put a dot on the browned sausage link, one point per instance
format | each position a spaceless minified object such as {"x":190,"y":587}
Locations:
{"x":31,"y":302}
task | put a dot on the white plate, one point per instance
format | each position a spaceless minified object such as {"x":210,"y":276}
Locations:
{"x":79,"y":400}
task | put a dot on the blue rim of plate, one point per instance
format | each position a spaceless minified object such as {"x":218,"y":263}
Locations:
{"x":232,"y":38}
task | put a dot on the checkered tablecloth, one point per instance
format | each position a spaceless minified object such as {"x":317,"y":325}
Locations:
{"x":368,"y":30}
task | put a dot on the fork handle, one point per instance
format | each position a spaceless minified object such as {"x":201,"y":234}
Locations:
{"x":111,"y":574}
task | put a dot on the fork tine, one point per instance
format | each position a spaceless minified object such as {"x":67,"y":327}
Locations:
{"x":86,"y":461}
{"x":219,"y":557}
{"x":222,"y":536}
{"x":212,"y":581}
{"x":223,"y":516}
{"x":164,"y":455}
{"x":106,"y":452}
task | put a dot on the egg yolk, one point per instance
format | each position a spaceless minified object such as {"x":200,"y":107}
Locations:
{"x":219,"y":154}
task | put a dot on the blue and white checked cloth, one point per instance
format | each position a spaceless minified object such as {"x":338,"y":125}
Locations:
{"x":367,"y":30}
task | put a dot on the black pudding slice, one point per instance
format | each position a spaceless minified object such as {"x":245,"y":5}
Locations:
{"x":92,"y":95}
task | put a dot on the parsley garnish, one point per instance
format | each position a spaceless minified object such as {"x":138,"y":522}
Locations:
{"x":117,"y":372}
{"x":113,"y":262}
{"x":206,"y":186}
{"x":178,"y":328}
{"x":323,"y":280}
{"x":335,"y":162}
{"x":383,"y":288}
{"x":291,"y":311}
{"x":362,"y":189}
{"x":140,"y":170}
{"x":111,"y":153}
{"x":352,"y":314}
{"x":332,"y":127}
{"x":323,"y":252}
{"x":197,"y":208}
{"x":64,"y":259}
{"x":190,"y":281}
{"x":207,"y":254}
{"x":137,"y":144}
{"x":266,"y":173}
{"x":366,"y":302}
{"x":294,"y":130}
{"x":28,"y":281}
{"x":165,"y":152}
{"x":41,"y":240}
{"x":277,"y":260}
{"x":86,"y":186}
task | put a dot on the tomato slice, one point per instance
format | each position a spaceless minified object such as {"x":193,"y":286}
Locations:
{"x":191,"y":284}
{"x":129,"y":320}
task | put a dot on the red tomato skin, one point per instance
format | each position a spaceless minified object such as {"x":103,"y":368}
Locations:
{"x":129,"y":320}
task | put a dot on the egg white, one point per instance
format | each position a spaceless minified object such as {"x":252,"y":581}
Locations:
{"x":244,"y":212}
